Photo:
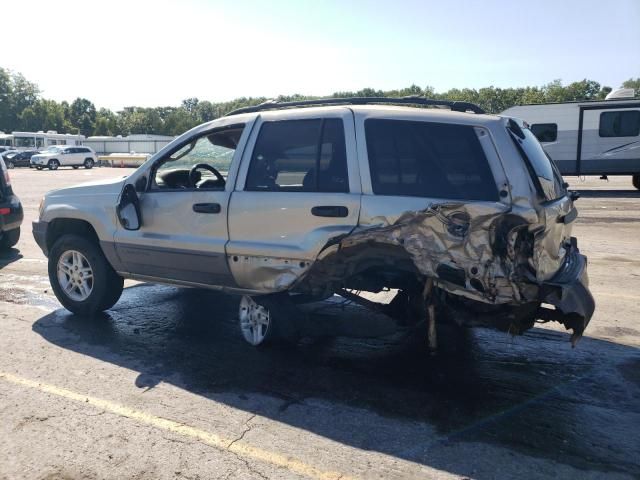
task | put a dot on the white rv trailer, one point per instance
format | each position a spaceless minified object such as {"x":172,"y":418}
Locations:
{"x":589,"y":138}
{"x":38,"y":140}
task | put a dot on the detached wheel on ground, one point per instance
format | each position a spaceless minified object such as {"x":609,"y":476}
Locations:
{"x":82,"y":279}
{"x":88,"y":163}
{"x":53,"y":164}
{"x":9,"y":239}
{"x":636,"y":181}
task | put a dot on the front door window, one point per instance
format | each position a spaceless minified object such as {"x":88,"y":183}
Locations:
{"x":201,"y":164}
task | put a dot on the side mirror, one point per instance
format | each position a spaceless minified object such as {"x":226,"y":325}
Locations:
{"x":128,"y":208}
{"x":141,"y":184}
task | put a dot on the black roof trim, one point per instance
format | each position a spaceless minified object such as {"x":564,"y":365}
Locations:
{"x":411,"y":100}
{"x":586,"y":102}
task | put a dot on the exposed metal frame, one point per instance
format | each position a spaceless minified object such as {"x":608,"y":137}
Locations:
{"x":410,"y":100}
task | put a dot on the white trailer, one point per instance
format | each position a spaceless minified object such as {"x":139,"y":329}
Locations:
{"x":39,"y":140}
{"x":589,"y":138}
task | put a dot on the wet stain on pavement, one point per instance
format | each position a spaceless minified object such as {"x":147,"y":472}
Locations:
{"x":532,"y":393}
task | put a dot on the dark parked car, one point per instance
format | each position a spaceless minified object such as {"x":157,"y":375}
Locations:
{"x":18,"y":159}
{"x":10,"y":211}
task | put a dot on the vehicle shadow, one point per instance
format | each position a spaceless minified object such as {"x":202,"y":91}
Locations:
{"x":608,"y":193}
{"x":9,"y":256}
{"x":531,"y":394}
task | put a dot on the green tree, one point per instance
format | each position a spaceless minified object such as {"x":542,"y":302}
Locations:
{"x":633,"y":83}
{"x":82,"y":116}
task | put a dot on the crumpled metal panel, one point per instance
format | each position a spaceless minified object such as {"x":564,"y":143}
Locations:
{"x":458,"y":235}
{"x":551,"y":239}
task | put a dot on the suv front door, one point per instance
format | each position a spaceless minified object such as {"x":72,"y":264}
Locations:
{"x":184,"y":212}
{"x":298,"y":188}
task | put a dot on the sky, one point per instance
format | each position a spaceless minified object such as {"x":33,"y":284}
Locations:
{"x":157,"y":53}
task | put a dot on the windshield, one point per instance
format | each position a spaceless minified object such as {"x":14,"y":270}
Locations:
{"x":543,"y":170}
{"x":53,"y":150}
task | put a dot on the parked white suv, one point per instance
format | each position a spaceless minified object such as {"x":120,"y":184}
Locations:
{"x":64,"y":156}
{"x":462,"y":213}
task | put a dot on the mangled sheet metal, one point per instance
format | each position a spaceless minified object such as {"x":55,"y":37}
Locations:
{"x":486,"y":254}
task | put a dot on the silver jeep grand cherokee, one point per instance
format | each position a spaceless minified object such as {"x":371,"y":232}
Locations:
{"x":459,"y":212}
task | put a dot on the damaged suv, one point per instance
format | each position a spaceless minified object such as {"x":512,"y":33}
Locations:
{"x":459,"y":212}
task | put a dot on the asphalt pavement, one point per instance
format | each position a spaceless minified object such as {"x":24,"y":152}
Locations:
{"x":163,"y":386}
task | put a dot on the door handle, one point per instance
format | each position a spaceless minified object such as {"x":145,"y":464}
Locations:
{"x":206,"y":207}
{"x":330,"y":211}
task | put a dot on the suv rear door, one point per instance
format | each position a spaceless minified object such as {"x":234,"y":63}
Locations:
{"x":411,"y":162}
{"x":298,"y":188}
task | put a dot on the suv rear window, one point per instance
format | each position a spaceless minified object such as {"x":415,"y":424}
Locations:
{"x":543,"y":171}
{"x":424,"y":159}
{"x":299,"y":155}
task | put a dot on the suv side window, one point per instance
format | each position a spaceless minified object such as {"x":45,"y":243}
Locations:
{"x":425,"y":159}
{"x":299,"y":156}
{"x":186,"y":167}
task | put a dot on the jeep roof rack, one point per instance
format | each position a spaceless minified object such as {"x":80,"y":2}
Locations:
{"x":410,"y":100}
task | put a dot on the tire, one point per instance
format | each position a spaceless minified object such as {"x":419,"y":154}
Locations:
{"x":10,"y":165}
{"x":105,"y":285}
{"x":53,"y":164}
{"x":88,"y":163}
{"x":38,"y":168}
{"x":636,"y":180}
{"x":75,"y":167}
{"x":9,"y":239}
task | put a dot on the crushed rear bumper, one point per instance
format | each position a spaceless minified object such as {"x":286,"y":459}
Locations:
{"x":568,"y":291}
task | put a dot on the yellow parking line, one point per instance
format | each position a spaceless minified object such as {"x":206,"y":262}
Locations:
{"x":212,"y":439}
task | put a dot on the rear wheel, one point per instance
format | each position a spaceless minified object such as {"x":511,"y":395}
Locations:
{"x":9,"y":239}
{"x":636,"y":180}
{"x":81,"y":278}
{"x":256,"y":323}
{"x":53,"y":164}
{"x":88,"y":163}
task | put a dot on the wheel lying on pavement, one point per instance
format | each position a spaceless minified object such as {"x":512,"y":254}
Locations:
{"x":255,"y":322}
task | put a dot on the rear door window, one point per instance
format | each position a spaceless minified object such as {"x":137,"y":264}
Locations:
{"x":299,"y":156}
{"x":425,"y":159}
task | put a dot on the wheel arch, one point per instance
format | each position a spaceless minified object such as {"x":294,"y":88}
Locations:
{"x":63,"y":226}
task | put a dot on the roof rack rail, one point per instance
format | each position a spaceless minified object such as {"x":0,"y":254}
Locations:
{"x":410,"y":100}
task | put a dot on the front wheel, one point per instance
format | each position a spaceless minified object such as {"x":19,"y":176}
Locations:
{"x":81,"y":278}
{"x":88,"y":163}
{"x":10,"y":165}
{"x":636,"y":180}
{"x":53,"y":164}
